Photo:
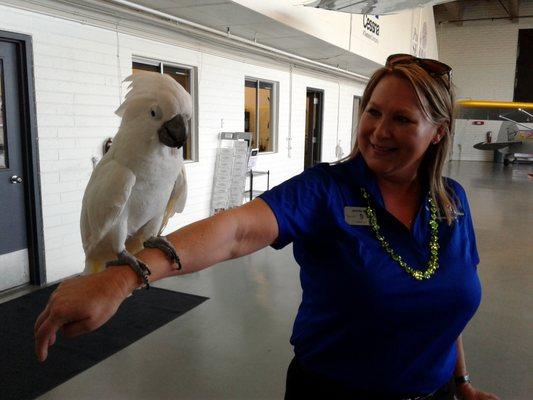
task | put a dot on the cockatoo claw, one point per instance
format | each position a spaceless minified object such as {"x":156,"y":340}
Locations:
{"x":126,"y":258}
{"x":161,"y":243}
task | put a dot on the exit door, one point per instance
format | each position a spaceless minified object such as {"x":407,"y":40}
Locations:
{"x":14,"y":257}
{"x":313,"y":127}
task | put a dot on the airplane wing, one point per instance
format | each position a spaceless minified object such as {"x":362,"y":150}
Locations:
{"x":494,"y":146}
{"x":511,"y":140}
{"x":374,"y":7}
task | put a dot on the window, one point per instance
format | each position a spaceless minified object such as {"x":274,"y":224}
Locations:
{"x":185,"y":76}
{"x":260,"y":113}
{"x":3,"y":144}
{"x":355,"y":119}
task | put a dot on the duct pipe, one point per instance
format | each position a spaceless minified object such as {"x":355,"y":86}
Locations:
{"x":283,"y":55}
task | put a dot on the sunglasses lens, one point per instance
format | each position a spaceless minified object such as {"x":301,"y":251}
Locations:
{"x":400,"y":59}
{"x":435,"y":67}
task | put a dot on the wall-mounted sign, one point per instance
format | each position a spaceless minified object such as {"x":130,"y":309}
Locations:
{"x":371,"y":27}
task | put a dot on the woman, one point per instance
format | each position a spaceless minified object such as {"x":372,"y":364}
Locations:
{"x":385,"y":244}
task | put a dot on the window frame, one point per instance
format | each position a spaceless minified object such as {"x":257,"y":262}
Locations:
{"x":193,"y":84}
{"x":274,"y":111}
{"x":355,"y":119}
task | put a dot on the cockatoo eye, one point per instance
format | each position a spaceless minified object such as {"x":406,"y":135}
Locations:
{"x":156,"y":112}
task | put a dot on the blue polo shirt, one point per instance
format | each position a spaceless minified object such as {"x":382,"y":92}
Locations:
{"x":363,"y":320}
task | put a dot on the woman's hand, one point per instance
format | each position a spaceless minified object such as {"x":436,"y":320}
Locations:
{"x":80,"y":305}
{"x":466,"y":391}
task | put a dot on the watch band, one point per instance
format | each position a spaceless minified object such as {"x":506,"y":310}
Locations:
{"x":462,"y":379}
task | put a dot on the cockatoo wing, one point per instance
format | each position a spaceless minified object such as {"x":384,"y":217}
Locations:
{"x":106,"y":195}
{"x":178,"y":198}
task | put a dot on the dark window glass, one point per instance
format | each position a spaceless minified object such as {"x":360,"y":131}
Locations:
{"x":258,"y":113}
{"x":136,"y":67}
{"x":3,"y":141}
{"x":183,"y":77}
{"x":250,"y":110}
{"x":266,"y":91}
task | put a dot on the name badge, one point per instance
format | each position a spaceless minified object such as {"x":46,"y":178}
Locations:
{"x":356,"y":216}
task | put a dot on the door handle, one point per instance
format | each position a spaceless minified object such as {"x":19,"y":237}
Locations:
{"x":16,"y":179}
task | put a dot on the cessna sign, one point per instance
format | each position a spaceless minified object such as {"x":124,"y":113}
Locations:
{"x":371,"y":27}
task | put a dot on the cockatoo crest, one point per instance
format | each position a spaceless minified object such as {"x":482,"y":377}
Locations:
{"x":164,"y":94}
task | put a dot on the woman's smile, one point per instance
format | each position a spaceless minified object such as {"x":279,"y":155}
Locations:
{"x":380,"y":150}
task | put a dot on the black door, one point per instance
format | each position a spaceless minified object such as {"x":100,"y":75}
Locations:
{"x":523,"y":89}
{"x":14,"y":259}
{"x":313,"y":127}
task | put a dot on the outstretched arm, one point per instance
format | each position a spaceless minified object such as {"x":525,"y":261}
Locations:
{"x":465,"y":391}
{"x":224,"y":236}
{"x":85,"y":303}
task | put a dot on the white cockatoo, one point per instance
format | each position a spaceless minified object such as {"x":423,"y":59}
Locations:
{"x":140,"y":182}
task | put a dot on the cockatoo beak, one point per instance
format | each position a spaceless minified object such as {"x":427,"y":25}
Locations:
{"x":174,"y":132}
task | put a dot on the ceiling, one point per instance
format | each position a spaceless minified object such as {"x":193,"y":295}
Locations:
{"x":459,"y":11}
{"x":486,"y":113}
{"x":228,"y":16}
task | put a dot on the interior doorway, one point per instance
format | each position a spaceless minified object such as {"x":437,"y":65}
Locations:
{"x":355,"y":119}
{"x":21,"y":237}
{"x":313,"y":127}
{"x":523,"y":90}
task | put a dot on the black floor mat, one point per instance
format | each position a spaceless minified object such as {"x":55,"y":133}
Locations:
{"x":23,"y":377}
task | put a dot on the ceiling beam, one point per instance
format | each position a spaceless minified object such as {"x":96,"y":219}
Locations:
{"x":513,"y":9}
{"x":455,"y":10}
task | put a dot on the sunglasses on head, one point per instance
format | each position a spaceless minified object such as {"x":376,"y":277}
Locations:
{"x":433,"y":67}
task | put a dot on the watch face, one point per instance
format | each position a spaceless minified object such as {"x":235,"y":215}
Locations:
{"x":462,"y":379}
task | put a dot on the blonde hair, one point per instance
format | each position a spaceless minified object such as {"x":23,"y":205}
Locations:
{"x":436,"y":100}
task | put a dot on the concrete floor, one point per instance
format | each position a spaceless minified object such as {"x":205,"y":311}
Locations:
{"x":235,"y":345}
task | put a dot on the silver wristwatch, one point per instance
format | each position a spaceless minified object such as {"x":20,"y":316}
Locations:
{"x":462,"y":379}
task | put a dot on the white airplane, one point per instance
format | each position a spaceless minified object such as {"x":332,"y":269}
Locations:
{"x":374,"y":7}
{"x":515,"y":137}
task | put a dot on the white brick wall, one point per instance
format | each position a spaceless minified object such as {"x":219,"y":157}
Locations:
{"x":77,"y":84}
{"x":483,"y":57}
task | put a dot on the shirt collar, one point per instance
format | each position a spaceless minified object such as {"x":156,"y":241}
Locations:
{"x":365,"y":178}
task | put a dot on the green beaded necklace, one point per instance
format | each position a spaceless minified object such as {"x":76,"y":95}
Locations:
{"x":433,"y":262}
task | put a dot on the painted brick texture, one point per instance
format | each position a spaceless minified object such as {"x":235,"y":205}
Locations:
{"x":78,"y":69}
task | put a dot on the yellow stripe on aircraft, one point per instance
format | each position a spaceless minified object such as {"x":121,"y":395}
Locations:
{"x":494,"y":104}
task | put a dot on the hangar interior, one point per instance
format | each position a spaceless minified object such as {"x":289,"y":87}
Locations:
{"x":289,"y":77}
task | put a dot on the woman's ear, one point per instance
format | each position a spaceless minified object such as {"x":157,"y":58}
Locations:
{"x":441,"y":131}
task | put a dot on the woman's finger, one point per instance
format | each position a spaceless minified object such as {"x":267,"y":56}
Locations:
{"x":44,"y":336}
{"x":41,"y":318}
{"x":52,"y":340}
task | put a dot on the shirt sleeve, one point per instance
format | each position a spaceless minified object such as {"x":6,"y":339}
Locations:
{"x":300,"y":205}
{"x":466,"y":225}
